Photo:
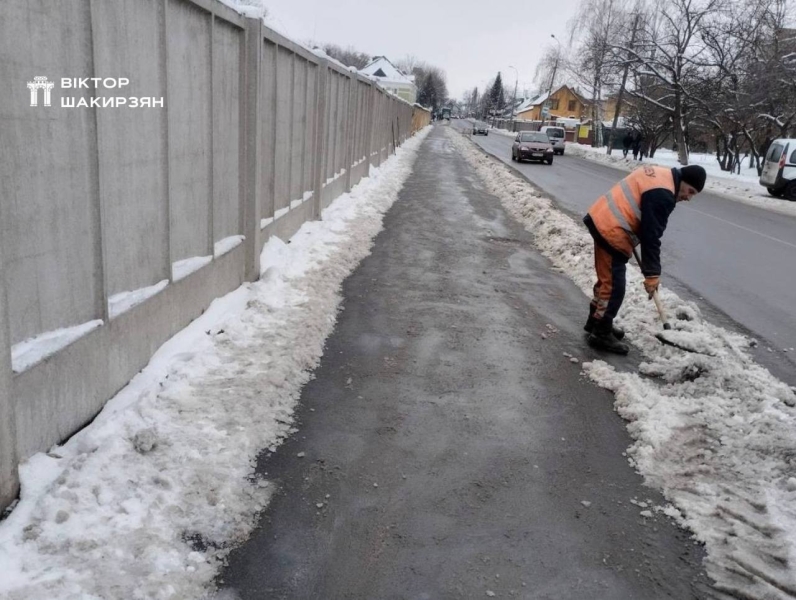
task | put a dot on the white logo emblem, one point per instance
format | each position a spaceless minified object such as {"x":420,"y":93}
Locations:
{"x":40,"y":83}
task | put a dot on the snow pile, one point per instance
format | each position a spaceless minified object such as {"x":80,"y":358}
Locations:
{"x":743,"y":188}
{"x":716,"y":434}
{"x":182,"y":268}
{"x":254,"y":9}
{"x":124,"y":301}
{"x":33,"y":350}
{"x":148,"y":500}
{"x":221,"y":247}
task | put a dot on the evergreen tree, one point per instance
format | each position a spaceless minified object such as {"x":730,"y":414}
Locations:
{"x":428,"y":93}
{"x":497,"y":98}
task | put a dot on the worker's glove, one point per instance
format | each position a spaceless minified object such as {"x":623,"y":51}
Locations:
{"x":651,"y":285}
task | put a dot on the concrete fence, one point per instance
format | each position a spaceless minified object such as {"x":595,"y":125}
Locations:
{"x":119,"y":224}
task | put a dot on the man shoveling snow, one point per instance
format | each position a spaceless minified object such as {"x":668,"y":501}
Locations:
{"x":634,"y":212}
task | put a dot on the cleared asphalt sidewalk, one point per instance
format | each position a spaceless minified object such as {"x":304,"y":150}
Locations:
{"x":447,"y":447}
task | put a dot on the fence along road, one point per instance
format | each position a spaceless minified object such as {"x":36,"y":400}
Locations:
{"x":169,"y":205}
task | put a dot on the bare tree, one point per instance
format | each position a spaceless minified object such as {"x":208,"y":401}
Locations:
{"x":550,"y":70}
{"x":599,"y":27}
{"x":652,"y":122}
{"x":666,"y":58}
{"x":348,"y":56}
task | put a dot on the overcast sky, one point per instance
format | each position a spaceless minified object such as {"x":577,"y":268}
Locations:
{"x":471,"y":41}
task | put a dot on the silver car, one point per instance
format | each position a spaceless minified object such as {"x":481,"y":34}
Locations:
{"x":558,"y":136}
{"x":779,"y":169}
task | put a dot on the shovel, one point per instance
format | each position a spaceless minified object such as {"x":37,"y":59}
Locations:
{"x":666,"y":336}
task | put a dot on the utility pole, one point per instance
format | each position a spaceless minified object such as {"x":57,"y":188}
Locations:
{"x":548,"y":103}
{"x":621,"y":93}
{"x":514,"y":98}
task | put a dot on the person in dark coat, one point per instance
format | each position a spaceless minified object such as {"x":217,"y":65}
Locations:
{"x":627,"y":141}
{"x":637,"y":141}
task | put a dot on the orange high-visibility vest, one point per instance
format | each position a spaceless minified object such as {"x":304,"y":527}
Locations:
{"x":617,"y":214}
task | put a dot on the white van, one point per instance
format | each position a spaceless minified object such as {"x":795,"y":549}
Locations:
{"x":779,"y":169}
{"x":557,"y":137}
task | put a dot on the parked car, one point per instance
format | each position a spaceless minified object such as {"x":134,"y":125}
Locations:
{"x":558,"y":137}
{"x":480,"y":129}
{"x":779,"y":169}
{"x":532,"y":145}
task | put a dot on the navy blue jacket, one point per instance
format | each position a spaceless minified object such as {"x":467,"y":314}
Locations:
{"x":656,"y":206}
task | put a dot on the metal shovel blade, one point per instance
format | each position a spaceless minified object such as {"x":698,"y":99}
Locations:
{"x":683,"y":340}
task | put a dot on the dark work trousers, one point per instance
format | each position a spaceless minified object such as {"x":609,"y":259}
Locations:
{"x":609,"y":291}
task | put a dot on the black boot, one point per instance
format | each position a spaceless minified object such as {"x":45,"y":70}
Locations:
{"x":603,"y":338}
{"x":589,"y":326}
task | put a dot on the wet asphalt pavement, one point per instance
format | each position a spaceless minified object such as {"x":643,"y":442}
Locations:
{"x":731,"y":258}
{"x":450,"y":450}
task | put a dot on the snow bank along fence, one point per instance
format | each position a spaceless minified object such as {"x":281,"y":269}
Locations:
{"x":120,"y":224}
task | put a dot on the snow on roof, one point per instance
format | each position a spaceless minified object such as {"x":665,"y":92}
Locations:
{"x":384,"y":70}
{"x":531,"y":102}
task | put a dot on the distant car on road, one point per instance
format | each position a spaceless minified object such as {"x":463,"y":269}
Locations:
{"x":779,"y":169}
{"x":480,"y":129}
{"x":557,"y":137}
{"x":532,"y":145}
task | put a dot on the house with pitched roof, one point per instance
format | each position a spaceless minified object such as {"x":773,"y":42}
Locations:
{"x":564,"y":103}
{"x":391,"y":78}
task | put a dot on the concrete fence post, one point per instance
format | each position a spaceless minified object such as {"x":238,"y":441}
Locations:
{"x":9,"y":476}
{"x":97,"y":209}
{"x":369,"y":126}
{"x":349,"y":131}
{"x":211,"y":196}
{"x":321,"y":137}
{"x":252,"y":131}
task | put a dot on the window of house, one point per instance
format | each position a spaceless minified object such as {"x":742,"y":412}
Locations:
{"x":554,"y":104}
{"x":572,"y":105}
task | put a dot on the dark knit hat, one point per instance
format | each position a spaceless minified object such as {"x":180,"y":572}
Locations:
{"x":694,"y":175}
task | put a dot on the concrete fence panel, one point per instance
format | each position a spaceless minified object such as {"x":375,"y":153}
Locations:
{"x":227,"y":152}
{"x":133,"y":167}
{"x":254,"y":136}
{"x":284,"y":126}
{"x":190,"y":128}
{"x":49,"y":230}
{"x":267,"y":116}
{"x":299,"y":129}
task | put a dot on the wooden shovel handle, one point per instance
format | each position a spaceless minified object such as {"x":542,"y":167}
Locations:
{"x":655,"y":298}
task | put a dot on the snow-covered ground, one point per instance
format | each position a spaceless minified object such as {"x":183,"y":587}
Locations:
{"x":716,"y":434}
{"x":147,"y":501}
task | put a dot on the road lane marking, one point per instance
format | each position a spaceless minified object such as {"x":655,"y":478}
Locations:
{"x":773,"y":239}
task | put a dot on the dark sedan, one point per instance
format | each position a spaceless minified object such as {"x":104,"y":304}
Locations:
{"x":532,"y":145}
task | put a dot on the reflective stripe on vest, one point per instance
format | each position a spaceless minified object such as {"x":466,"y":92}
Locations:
{"x":617,"y":214}
{"x":621,"y":218}
{"x":629,"y":195}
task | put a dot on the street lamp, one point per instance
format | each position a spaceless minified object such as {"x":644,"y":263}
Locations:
{"x":548,"y":103}
{"x":514,"y":98}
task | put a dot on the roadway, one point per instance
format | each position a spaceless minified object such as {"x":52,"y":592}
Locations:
{"x":735,"y":260}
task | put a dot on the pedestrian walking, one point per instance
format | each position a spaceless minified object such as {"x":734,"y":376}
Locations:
{"x":627,"y":141}
{"x":634,"y":212}
{"x":642,"y":153}
{"x":637,"y":141}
